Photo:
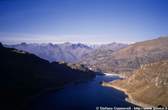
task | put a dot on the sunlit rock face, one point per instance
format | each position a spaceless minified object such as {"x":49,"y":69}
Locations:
{"x":148,"y":84}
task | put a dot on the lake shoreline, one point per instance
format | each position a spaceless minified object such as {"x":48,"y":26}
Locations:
{"x":84,"y":94}
{"x":129,"y":99}
{"x":115,"y":74}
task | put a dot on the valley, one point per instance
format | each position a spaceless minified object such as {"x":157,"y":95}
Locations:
{"x":142,"y":66}
{"x":83,"y":55}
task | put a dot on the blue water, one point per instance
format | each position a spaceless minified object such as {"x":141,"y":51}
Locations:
{"x":83,"y":96}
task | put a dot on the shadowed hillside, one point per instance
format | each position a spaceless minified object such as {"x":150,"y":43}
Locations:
{"x":24,"y":75}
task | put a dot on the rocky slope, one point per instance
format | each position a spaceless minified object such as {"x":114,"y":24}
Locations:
{"x":129,"y":58}
{"x":23,"y":75}
{"x":148,"y":86}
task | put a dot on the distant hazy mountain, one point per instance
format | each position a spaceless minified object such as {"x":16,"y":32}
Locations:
{"x":109,"y":46}
{"x":101,"y":51}
{"x":148,"y":86}
{"x":128,"y":58}
{"x":23,"y":75}
{"x":66,"y":52}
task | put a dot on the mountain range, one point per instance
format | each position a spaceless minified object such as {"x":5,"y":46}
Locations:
{"x":113,"y":57}
{"x":129,"y":58}
{"x":144,"y":63}
{"x":65,"y":52}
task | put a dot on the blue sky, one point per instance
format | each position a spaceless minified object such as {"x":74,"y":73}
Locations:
{"x":86,"y":21}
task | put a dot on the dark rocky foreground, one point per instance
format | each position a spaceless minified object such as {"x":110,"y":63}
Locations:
{"x":23,"y":75}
